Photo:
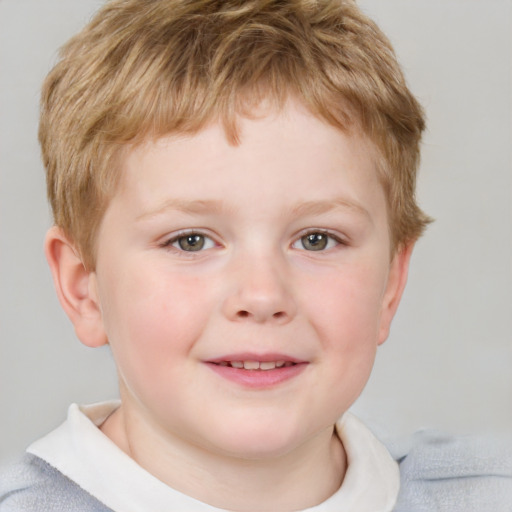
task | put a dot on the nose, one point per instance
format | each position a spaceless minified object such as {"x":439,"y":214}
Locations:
{"x":260,"y":292}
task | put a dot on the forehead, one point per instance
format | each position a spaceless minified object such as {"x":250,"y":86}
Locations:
{"x":288,"y":152}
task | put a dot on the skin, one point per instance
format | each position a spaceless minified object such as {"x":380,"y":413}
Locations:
{"x":255,"y":287}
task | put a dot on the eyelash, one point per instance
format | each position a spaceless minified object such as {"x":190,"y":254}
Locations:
{"x":207,"y":240}
{"x":169,"y":243}
{"x":330,"y":237}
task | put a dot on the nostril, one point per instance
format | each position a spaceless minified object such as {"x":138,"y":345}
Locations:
{"x":261,"y":316}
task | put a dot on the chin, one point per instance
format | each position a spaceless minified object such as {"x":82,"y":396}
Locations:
{"x":259,"y":441}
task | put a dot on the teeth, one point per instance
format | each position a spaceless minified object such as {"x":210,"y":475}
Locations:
{"x":256,"y":365}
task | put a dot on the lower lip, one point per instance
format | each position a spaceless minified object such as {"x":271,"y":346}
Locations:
{"x":258,"y":379}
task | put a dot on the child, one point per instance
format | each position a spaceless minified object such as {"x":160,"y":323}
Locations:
{"x":232,"y":185}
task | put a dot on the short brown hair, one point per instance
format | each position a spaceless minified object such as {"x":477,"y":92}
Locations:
{"x":147,"y":68}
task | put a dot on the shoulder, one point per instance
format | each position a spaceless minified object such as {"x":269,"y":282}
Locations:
{"x":451,"y":473}
{"x":33,"y":485}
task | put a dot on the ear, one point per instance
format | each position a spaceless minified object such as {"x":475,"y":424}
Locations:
{"x":76,"y":288}
{"x":397,"y":280}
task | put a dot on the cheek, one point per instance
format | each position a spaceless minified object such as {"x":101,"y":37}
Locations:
{"x":347,"y":306}
{"x":346,"y":318}
{"x":153,"y":319}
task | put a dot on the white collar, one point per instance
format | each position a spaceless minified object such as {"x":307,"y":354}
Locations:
{"x":79,"y":450}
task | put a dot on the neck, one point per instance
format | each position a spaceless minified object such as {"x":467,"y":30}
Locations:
{"x":300,"y":479}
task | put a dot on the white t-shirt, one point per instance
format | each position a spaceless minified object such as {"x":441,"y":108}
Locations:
{"x":80,"y":451}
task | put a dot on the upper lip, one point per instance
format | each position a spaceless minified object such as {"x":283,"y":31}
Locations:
{"x":262,"y":358}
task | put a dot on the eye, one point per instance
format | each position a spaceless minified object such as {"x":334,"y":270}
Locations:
{"x":191,"y":242}
{"x":316,"y":241}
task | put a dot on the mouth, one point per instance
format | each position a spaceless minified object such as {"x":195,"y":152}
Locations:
{"x":256,"y":365}
{"x":258,"y":372}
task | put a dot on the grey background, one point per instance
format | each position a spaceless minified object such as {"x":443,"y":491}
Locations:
{"x":448,"y":361}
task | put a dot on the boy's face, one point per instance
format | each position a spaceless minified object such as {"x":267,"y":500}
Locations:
{"x":276,"y":252}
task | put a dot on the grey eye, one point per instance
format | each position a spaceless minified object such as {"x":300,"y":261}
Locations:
{"x":191,"y":243}
{"x":315,"y":241}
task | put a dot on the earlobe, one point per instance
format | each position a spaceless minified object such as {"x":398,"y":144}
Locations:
{"x":76,"y":288}
{"x":397,"y":280}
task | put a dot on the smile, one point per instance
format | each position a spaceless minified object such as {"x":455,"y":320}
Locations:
{"x":258,"y":371}
{"x":256,"y":365}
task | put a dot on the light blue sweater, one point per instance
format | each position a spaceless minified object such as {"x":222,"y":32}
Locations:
{"x":438,"y":474}
{"x":450,"y":474}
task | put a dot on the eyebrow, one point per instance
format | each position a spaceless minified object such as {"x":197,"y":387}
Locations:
{"x":217,"y":207}
{"x":190,"y":207}
{"x":319,"y":207}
